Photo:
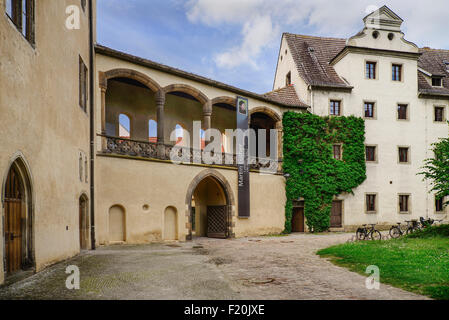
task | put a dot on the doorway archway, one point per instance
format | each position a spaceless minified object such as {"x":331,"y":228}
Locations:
{"x":18,"y":218}
{"x":210,"y":204}
{"x":84,"y":225}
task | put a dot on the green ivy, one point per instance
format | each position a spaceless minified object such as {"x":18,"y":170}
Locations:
{"x":314,"y":174}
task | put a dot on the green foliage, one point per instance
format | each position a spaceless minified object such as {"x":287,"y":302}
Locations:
{"x":415,"y":263}
{"x":436,"y":169}
{"x":314,"y":174}
{"x":432,"y":232}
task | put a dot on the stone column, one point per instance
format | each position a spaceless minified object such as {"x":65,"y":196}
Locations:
{"x":160,"y":105}
{"x":103,"y":88}
{"x":207,"y":115}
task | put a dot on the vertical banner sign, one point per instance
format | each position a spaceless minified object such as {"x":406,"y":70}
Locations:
{"x":242,"y":158}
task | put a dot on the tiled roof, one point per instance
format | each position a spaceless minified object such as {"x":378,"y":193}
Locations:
{"x":312,"y":56}
{"x":434,"y":62}
{"x":286,"y":96}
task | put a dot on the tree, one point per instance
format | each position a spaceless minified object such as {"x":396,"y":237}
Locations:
{"x":436,"y":169}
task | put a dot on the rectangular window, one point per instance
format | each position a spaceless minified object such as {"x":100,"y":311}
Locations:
{"x":404,"y":203}
{"x":370,"y":154}
{"x":370,"y":202}
{"x":397,"y":72}
{"x":82,"y":85}
{"x":439,"y":114}
{"x":439,"y":204}
{"x":436,"y":82}
{"x":288,"y":79}
{"x":335,"y":109}
{"x":371,"y":70}
{"x":369,"y":109}
{"x":403,"y":155}
{"x":402,"y":112}
{"x":21,"y":13}
{"x":337,"y":152}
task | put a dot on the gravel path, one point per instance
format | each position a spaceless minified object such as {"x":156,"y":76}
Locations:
{"x":207,"y":269}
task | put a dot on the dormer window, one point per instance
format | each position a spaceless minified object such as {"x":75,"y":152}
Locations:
{"x":288,"y":79}
{"x":437,"y":82}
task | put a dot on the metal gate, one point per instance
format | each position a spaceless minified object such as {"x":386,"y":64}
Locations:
{"x":13,"y":223}
{"x":218,"y":222}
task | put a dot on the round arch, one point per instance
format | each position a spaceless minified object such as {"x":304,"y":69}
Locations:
{"x":19,"y":167}
{"x":131,"y":74}
{"x":269,"y":112}
{"x":227,"y":189}
{"x":224,"y":100}
{"x":185,"y":88}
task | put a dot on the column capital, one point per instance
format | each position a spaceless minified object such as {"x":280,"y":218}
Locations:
{"x":160,"y":97}
{"x":103,"y":81}
{"x":207,"y":108}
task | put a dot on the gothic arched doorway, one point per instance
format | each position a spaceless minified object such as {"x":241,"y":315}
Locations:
{"x":18,"y":219}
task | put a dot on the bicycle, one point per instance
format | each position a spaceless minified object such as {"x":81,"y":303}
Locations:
{"x":368,"y":233}
{"x":413,"y":226}
{"x":397,"y":231}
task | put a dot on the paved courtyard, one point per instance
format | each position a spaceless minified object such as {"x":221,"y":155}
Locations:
{"x":251,"y":268}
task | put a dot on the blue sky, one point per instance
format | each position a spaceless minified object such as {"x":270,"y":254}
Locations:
{"x":237,"y":41}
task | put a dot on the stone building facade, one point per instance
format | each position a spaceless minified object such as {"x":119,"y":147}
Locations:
{"x":87,"y":132}
{"x":401,"y":91}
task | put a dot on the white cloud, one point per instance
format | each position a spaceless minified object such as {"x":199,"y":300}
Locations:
{"x":262,"y":21}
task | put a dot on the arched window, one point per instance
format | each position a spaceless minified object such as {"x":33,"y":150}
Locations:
{"x":179,"y":134}
{"x":124,"y":126}
{"x":152,"y":131}
{"x":202,"y":139}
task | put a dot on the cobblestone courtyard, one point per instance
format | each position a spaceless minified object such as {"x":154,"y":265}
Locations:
{"x":252,"y":268}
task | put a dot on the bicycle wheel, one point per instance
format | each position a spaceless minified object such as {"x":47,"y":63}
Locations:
{"x":395,"y":232}
{"x":375,"y":235}
{"x":410,"y":230}
{"x":360,"y":235}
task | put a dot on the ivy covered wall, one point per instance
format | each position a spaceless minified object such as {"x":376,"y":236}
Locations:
{"x":314,"y":174}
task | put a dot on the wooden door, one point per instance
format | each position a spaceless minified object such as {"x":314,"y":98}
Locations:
{"x":298,"y":221}
{"x":217,"y":222}
{"x":337,"y":214}
{"x":13,"y":223}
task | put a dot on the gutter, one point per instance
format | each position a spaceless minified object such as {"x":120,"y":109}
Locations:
{"x":92,"y":126}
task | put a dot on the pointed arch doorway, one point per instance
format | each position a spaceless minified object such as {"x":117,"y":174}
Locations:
{"x":18,"y":219}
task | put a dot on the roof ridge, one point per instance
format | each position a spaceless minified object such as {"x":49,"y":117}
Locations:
{"x":433,"y":49}
{"x":314,"y":37}
{"x":277,"y":90}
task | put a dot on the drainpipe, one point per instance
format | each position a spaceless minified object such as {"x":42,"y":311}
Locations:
{"x":92,"y":125}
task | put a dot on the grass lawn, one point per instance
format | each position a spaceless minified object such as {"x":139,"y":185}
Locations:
{"x":417,"y":263}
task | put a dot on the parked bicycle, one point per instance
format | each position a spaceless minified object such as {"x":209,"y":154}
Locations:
{"x":368,"y":233}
